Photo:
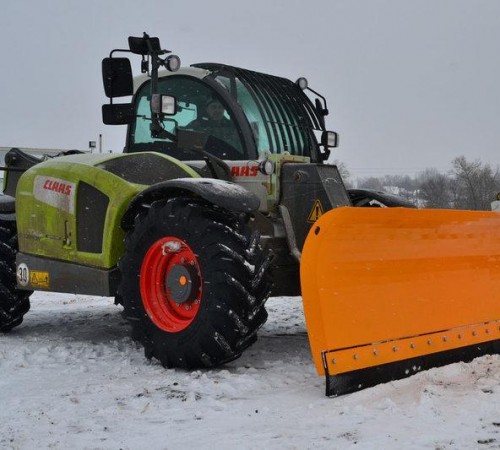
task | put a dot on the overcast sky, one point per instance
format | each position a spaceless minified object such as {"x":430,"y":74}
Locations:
{"x":411,"y":84}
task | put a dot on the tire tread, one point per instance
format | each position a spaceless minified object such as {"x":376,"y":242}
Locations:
{"x":14,"y":302}
{"x":236,"y":294}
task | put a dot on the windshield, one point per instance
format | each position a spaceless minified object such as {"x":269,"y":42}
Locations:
{"x":281,"y":117}
{"x":201,"y":114}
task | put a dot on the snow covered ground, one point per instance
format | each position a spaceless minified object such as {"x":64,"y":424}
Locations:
{"x":72,"y":378}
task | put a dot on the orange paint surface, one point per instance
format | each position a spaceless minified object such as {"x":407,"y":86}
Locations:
{"x":371,"y":275}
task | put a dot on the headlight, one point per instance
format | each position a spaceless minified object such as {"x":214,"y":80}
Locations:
{"x":173,"y":63}
{"x":302,"y":83}
{"x":266,"y":167}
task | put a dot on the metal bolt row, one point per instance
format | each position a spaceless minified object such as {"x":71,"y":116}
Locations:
{"x":412,"y":345}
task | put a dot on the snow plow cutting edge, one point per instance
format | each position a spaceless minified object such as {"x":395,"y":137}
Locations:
{"x":388,"y":292}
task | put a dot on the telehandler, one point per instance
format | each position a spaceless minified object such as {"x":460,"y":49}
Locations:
{"x":223,"y":197}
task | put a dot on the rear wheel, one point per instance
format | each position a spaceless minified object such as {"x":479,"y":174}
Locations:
{"x":14,"y":303}
{"x":194,"y":283}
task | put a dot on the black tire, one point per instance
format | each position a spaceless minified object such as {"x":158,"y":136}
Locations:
{"x":14,"y":303}
{"x":233,"y":274}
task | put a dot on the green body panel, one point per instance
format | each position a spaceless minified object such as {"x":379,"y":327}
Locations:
{"x":46,"y":211}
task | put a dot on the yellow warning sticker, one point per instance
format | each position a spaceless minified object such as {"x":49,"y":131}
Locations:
{"x":39,"y":279}
{"x":316,"y":211}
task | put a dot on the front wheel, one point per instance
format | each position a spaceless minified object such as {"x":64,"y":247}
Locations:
{"x":194,"y":283}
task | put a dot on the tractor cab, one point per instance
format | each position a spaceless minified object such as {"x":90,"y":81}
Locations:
{"x":224,"y":111}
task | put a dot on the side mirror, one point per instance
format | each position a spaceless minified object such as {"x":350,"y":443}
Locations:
{"x":329,"y":139}
{"x":118,"y":114}
{"x":117,"y":77}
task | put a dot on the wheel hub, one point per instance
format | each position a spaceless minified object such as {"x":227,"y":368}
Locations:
{"x":182,"y":284}
{"x":171,"y":284}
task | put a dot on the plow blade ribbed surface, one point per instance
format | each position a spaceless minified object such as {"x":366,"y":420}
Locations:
{"x":388,"y":292}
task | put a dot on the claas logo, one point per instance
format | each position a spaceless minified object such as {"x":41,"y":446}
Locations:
{"x":56,"y":186}
{"x":244,"y":171}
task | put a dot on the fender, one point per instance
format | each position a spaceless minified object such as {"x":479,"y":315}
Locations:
{"x":225,"y":194}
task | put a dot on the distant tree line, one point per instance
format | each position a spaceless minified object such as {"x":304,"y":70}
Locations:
{"x":470,"y":185}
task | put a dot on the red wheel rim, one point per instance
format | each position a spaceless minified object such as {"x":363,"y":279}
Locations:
{"x":171,"y":284}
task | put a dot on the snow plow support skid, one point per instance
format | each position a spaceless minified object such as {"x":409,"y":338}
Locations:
{"x":391,"y":291}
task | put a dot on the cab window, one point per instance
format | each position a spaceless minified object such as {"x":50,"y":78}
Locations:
{"x":200,"y":112}
{"x":275,"y":110}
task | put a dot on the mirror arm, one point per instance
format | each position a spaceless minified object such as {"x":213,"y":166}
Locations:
{"x":325,"y":111}
{"x":157,"y":131}
{"x":118,"y":50}
{"x":325,"y":154}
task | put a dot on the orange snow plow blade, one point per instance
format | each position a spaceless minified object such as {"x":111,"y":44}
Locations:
{"x":391,"y":291}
